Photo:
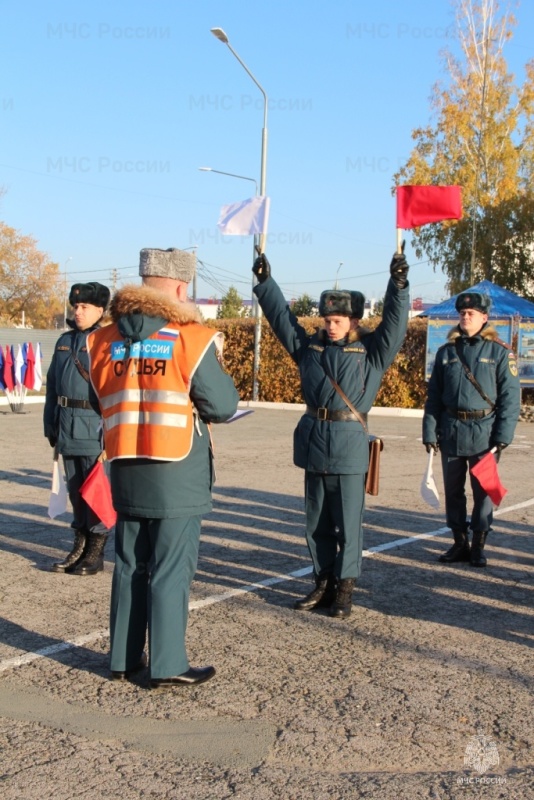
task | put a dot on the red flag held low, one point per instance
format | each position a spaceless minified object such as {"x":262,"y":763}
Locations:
{"x":485,"y":471}
{"x":421,"y":205}
{"x":96,"y":492}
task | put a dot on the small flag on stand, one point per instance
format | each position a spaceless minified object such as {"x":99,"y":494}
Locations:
{"x":38,"y":374}
{"x":2,"y":384}
{"x":485,"y":471}
{"x":8,"y":370}
{"x":28,"y":379}
{"x":246,"y":218}
{"x":422,"y":205}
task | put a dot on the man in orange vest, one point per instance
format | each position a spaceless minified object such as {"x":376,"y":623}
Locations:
{"x":157,"y":374}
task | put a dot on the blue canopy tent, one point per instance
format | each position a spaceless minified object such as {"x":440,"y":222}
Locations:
{"x":503,"y":303}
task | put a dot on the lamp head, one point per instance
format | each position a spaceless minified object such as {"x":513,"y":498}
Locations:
{"x":205,"y":169}
{"x":220,"y":35}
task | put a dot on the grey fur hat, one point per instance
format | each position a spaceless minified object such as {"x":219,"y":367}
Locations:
{"x":343,"y":304}
{"x":170,"y":263}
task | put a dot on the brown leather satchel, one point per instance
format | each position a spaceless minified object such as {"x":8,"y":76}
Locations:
{"x":372,"y":479}
{"x":376,"y":445}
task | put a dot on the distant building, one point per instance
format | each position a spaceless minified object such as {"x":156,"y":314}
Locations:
{"x":209,"y":307}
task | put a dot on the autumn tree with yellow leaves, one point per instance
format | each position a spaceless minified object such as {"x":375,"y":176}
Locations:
{"x":30,"y":285}
{"x":481,"y":138}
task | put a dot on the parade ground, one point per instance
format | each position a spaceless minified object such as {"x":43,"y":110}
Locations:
{"x":425,"y":691}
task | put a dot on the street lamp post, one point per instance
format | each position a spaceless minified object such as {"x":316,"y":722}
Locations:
{"x":417,"y":286}
{"x":231,"y":174}
{"x":336,"y":285}
{"x":194,"y":249}
{"x":222,"y":37}
{"x":65,"y":293}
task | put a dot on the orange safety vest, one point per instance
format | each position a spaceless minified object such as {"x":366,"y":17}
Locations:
{"x":144,"y":396}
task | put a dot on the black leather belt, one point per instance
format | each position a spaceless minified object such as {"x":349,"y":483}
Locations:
{"x":333,"y":416}
{"x":465,"y":415}
{"x":66,"y":402}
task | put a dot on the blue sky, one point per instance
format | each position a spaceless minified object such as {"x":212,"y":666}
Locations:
{"x":107,"y":110}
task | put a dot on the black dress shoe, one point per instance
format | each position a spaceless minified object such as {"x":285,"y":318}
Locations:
{"x":189,"y":678}
{"x":125,"y":675}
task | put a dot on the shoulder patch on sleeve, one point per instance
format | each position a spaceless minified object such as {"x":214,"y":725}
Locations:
{"x":512,"y":363}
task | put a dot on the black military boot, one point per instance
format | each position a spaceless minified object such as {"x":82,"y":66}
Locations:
{"x":478,"y":559}
{"x":75,"y":556}
{"x":321,"y":597}
{"x":460,"y":551}
{"x":93,"y":560}
{"x":342,"y":605}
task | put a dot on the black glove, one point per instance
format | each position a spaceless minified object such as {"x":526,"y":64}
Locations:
{"x":500,"y":447}
{"x":52,"y":440}
{"x":431,"y":446}
{"x":262,"y":268}
{"x":399,"y":269}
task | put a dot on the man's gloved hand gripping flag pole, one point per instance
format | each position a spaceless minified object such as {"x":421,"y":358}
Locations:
{"x":421,"y":205}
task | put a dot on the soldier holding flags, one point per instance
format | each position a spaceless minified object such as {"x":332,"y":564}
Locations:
{"x":473,"y":405}
{"x":72,"y":424}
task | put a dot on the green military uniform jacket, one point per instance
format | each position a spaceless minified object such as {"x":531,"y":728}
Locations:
{"x":77,"y":430}
{"x":356,"y":363}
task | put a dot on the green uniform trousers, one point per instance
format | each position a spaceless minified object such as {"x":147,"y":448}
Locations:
{"x":155,"y":562}
{"x":455,"y":471}
{"x":334,"y":514}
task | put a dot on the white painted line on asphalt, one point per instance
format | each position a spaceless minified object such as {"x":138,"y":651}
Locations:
{"x":251,"y":587}
{"x":51,"y":649}
{"x":500,"y":511}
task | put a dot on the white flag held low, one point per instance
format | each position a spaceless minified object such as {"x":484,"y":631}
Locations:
{"x":58,"y":496}
{"x":246,"y":218}
{"x":429,"y":490}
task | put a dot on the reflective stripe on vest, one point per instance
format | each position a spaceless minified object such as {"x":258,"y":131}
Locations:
{"x":146,"y":418}
{"x":147,"y":412}
{"x":144,"y":396}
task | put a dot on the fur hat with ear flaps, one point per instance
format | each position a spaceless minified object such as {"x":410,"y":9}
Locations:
{"x":343,"y":304}
{"x":476,"y":300}
{"x":96,"y":294}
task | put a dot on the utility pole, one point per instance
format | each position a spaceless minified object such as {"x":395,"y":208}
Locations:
{"x":479,"y":160}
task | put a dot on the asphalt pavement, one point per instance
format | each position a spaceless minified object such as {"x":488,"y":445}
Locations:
{"x":425,"y":691}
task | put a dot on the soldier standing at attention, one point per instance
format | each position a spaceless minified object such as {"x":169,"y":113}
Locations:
{"x":472,"y":406}
{"x":72,"y":423}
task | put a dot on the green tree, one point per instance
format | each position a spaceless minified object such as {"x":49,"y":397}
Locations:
{"x":29,"y":282}
{"x":482,"y":138}
{"x":304,"y":306}
{"x":231,"y":305}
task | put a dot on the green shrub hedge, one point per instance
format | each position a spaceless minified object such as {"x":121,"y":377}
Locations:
{"x":278,"y":379}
